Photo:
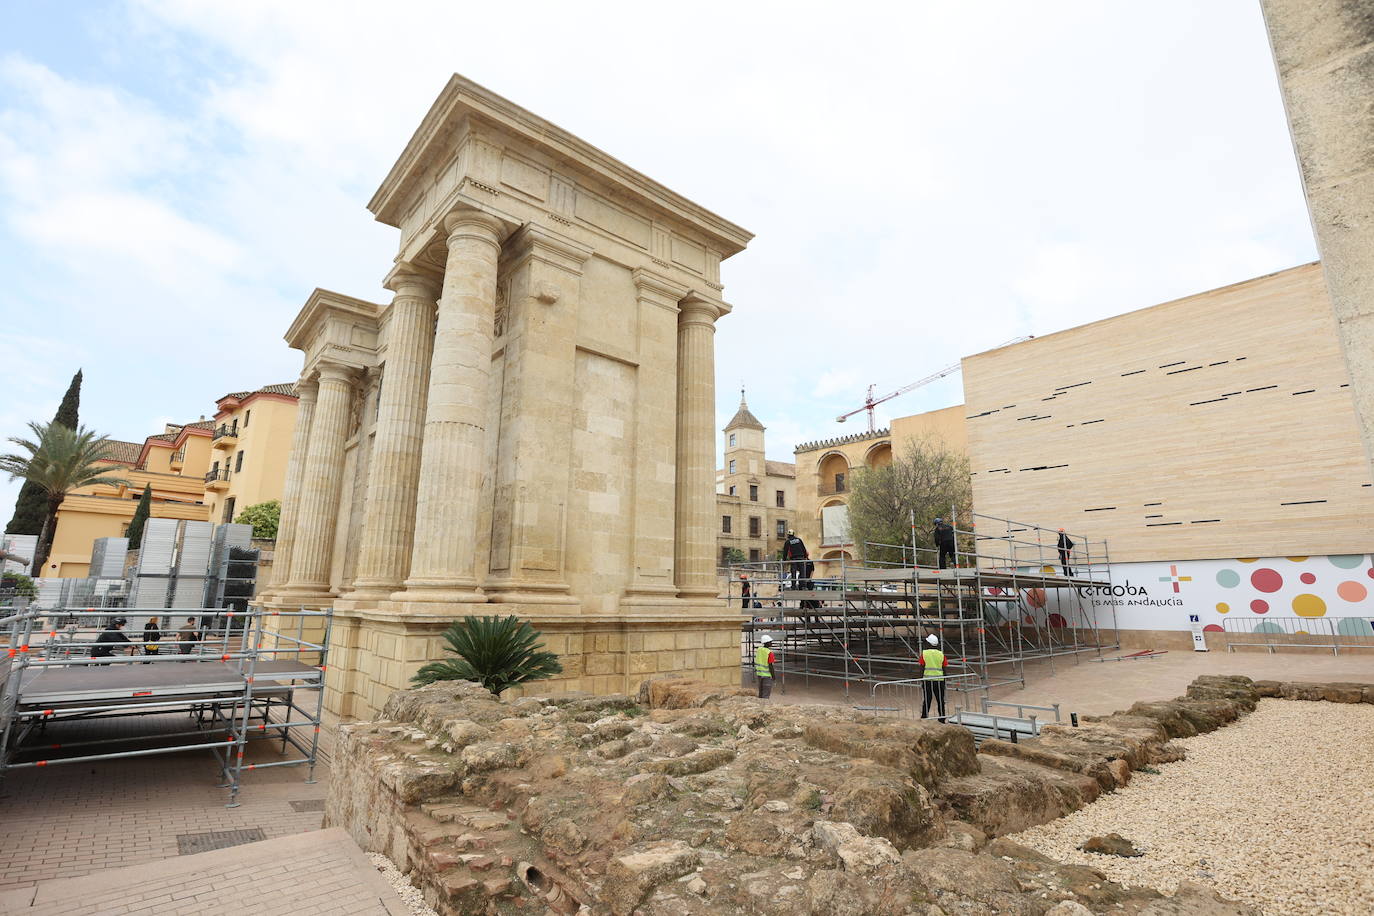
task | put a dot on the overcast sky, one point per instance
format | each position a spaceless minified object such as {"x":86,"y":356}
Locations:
{"x":925,"y":180}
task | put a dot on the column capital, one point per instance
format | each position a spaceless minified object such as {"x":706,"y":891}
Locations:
{"x":547,"y":246}
{"x":466,"y":222}
{"x":694,"y":308}
{"x":658,"y":289}
{"x":329,"y":371}
{"x":307,"y":386}
{"x":407,"y":279}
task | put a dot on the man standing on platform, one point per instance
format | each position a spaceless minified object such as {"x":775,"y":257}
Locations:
{"x":187,"y":636}
{"x":944,"y":539}
{"x":793,"y":554}
{"x":933,"y":665}
{"x":1065,"y":545}
{"x":110,"y":637}
{"x":764,"y":660}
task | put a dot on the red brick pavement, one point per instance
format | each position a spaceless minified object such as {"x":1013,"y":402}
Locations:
{"x":71,"y":820}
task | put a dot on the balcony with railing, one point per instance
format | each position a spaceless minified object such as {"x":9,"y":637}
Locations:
{"x":217,"y":479}
{"x":178,"y":459}
{"x":226,"y":435}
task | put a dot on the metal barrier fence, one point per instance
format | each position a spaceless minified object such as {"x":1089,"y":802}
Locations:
{"x":1274,"y":633}
{"x":903,"y":698}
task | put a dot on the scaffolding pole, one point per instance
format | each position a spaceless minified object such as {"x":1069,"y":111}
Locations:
{"x":1012,"y":597}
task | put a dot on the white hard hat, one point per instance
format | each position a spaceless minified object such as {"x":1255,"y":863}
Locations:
{"x":933,"y":639}
{"x":766,"y":639}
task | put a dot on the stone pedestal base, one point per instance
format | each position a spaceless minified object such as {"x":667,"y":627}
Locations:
{"x":375,"y":651}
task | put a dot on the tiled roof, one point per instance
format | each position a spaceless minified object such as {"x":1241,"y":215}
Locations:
{"x":200,"y":424}
{"x":288,"y":389}
{"x":165,"y":437}
{"x":126,"y":452}
{"x":743,"y":419}
{"x":780,"y":469}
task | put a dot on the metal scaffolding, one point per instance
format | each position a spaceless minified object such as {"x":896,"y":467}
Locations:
{"x":239,"y":680}
{"x":1011,"y":597}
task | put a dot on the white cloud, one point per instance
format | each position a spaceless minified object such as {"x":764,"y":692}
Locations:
{"x":925,"y":180}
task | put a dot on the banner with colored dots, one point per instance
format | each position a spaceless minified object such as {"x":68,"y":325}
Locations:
{"x":1161,"y":596}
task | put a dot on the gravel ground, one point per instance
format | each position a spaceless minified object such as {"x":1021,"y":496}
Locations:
{"x":1276,"y":810}
{"x":414,"y":900}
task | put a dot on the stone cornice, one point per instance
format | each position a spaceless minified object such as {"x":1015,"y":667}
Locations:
{"x":461,"y":98}
{"x":321,"y":304}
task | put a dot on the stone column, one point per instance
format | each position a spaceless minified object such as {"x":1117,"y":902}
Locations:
{"x":695,"y":542}
{"x":388,"y":533}
{"x":295,"y":475}
{"x":651,"y":551}
{"x":442,"y":566}
{"x":313,"y":544}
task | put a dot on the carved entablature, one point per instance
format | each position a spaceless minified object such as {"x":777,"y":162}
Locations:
{"x":476,"y":149}
{"x":335,"y":328}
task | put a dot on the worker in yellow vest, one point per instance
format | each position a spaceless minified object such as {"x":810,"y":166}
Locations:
{"x":933,"y":665}
{"x":764,"y":659}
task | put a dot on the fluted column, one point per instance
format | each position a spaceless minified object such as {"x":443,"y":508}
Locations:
{"x":313,"y":545}
{"x":295,"y":475}
{"x":388,"y":532}
{"x":442,"y":566}
{"x":695,"y":541}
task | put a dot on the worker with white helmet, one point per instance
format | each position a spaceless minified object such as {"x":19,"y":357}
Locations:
{"x":764,"y":660}
{"x":933,"y":665}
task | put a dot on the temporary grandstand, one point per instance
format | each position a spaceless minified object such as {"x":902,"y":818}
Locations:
{"x":993,"y":611}
{"x":255,"y":675}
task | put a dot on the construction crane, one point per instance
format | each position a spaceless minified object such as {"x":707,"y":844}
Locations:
{"x":871,"y":402}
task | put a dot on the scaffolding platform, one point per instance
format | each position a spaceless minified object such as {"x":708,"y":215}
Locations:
{"x":246,"y":681}
{"x":130,"y":684}
{"x":1012,"y":596}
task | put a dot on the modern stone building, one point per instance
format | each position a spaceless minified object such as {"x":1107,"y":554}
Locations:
{"x":755,"y":498}
{"x":1213,"y":442}
{"x":527,"y":427}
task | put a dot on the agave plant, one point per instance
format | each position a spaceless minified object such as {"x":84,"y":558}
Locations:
{"x":496,"y":652}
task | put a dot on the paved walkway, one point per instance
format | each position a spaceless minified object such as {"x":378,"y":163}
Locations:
{"x":1098,"y":688}
{"x":322,"y":873}
{"x":71,"y":820}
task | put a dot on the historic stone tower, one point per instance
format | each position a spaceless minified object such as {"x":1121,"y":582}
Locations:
{"x":527,"y":428}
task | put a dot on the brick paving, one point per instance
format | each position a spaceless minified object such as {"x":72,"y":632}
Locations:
{"x":72,"y":820}
{"x":311,"y":874}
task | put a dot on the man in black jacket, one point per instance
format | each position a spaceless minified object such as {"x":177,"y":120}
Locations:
{"x":110,"y":637}
{"x":944,"y":540}
{"x":1065,"y":545}
{"x":793,"y":554}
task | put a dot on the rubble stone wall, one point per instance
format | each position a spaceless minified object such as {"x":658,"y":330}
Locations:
{"x":692,"y":798}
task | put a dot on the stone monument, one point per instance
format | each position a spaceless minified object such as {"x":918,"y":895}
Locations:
{"x":526,"y":428}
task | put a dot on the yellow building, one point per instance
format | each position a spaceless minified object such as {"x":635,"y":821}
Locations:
{"x":172,"y":463}
{"x":208,"y":470}
{"x":251,"y":444}
{"x":825,"y":471}
{"x":755,"y":498}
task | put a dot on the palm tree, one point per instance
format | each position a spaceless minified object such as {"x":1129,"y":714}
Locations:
{"x":496,"y":652}
{"x":59,"y":460}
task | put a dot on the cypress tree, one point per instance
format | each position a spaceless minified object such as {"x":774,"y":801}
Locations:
{"x":32,"y":504}
{"x":145,"y":507}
